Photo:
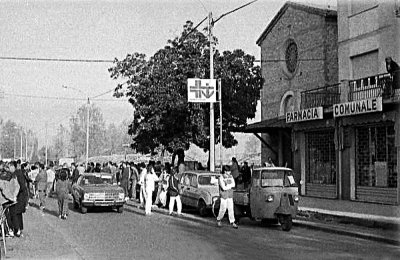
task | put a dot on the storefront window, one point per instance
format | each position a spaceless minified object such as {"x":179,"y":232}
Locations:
{"x":321,"y":158}
{"x":376,"y":156}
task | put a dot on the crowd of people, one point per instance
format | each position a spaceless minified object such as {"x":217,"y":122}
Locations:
{"x":153,"y":184}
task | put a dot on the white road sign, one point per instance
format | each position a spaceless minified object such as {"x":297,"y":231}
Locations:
{"x":202,"y":90}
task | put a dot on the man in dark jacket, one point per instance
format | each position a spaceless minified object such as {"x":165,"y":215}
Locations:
{"x":41,"y":186}
{"x":393,"y":68}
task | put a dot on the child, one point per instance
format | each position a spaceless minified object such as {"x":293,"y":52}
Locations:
{"x":62,"y":190}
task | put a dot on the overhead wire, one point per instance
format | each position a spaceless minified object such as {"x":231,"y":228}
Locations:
{"x":56,"y":59}
{"x":63,"y":98}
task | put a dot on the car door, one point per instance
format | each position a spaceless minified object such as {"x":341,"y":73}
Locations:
{"x":192,"y":191}
{"x":185,"y":187}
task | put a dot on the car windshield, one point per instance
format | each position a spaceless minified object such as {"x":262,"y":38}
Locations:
{"x":277,"y":178}
{"x":211,"y":180}
{"x":96,"y":180}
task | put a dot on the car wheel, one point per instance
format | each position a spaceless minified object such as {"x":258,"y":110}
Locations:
{"x":120,"y":209}
{"x":286,"y":222}
{"x":202,"y":208}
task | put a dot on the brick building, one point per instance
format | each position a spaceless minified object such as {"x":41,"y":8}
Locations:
{"x":332,"y":117}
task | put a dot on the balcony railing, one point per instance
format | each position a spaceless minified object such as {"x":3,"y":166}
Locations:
{"x":380,"y":85}
{"x":320,"y":97}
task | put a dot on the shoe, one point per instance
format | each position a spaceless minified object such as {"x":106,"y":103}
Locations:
{"x":65,"y":217}
{"x":179,"y":215}
{"x":219,"y":224}
{"x":10,"y":234}
{"x":60,"y":217}
{"x":234,"y":225}
{"x":19,"y":233}
{"x":171,"y":213}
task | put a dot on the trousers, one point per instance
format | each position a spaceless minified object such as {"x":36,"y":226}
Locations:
{"x":226,"y":204}
{"x":172,"y":200}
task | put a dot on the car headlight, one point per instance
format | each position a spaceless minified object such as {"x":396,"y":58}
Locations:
{"x":296,"y":198}
{"x":86,"y":196}
{"x":121,"y":196}
{"x":270,"y":198}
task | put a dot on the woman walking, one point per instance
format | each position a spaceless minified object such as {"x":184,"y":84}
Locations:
{"x":22,"y":199}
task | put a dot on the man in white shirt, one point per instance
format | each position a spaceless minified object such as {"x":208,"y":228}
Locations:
{"x":226,"y":183}
{"x":51,"y":175}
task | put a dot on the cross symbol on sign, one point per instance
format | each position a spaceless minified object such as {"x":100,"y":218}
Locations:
{"x":200,"y":90}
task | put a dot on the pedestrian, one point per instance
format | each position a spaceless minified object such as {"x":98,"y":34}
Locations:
{"x":163,"y":185}
{"x":75,"y":173}
{"x":51,"y":175}
{"x":235,"y":170}
{"x":41,"y":186}
{"x":133,"y":181}
{"x":269,"y":163}
{"x":246,"y":174}
{"x":143,"y":173}
{"x":62,"y":188}
{"x":174,"y":193}
{"x":149,"y":184}
{"x":394,"y":69}
{"x":124,"y":179}
{"x":19,"y":208}
{"x":226,"y":183}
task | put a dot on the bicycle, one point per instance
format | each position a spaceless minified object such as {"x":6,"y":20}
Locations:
{"x":4,"y":227}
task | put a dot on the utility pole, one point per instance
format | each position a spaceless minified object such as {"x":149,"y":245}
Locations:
{"x":26,"y":146}
{"x":212,"y":133}
{"x":87,"y":132}
{"x":15,"y":147}
{"x":21,"y":144}
{"x":46,"y":147}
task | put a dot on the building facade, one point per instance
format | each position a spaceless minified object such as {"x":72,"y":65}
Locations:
{"x":330,"y":109}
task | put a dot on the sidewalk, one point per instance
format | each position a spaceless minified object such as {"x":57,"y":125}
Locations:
{"x":361,"y":213}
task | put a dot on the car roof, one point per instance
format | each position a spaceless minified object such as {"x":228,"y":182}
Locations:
{"x":197,"y":172}
{"x":273,"y":168}
{"x":96,"y":174}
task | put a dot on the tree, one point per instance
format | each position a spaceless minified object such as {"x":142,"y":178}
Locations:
{"x":157,"y":89}
{"x":61,"y":144}
{"x":96,"y":131}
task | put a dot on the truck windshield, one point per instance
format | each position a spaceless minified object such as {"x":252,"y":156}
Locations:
{"x":277,"y":178}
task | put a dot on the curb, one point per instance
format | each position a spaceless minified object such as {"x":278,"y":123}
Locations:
{"x":301,"y":223}
{"x":342,"y":231}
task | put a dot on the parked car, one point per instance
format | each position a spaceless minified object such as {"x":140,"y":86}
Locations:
{"x":200,"y":189}
{"x":97,"y":189}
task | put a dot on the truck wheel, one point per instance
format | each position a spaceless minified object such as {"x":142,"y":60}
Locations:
{"x":286,"y":222}
{"x":120,"y":209}
{"x":202,"y":208}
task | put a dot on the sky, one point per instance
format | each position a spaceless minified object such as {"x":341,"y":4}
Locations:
{"x":101,"y":30}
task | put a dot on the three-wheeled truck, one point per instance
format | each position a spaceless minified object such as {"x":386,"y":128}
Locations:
{"x":271,"y":197}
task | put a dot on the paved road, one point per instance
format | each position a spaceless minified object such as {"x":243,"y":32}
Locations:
{"x":106,"y":234}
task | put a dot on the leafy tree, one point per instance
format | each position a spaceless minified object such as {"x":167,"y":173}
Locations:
{"x":10,"y":140}
{"x":61,"y":143}
{"x":96,"y":131}
{"x":157,"y":89}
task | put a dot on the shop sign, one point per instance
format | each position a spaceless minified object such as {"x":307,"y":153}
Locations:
{"x":305,"y":115}
{"x":358,"y":107}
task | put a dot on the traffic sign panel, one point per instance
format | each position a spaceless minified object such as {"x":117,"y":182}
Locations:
{"x":202,"y":90}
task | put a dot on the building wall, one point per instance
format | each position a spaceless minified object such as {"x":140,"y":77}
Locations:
{"x":316,"y":39}
{"x":366,"y":27}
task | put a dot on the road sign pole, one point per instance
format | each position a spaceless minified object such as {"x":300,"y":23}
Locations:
{"x":212,"y":134}
{"x":220,"y":122}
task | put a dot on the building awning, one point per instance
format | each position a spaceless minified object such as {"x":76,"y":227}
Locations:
{"x":268,"y":125}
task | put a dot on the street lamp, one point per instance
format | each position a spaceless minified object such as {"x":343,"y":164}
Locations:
{"x":87,"y":121}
